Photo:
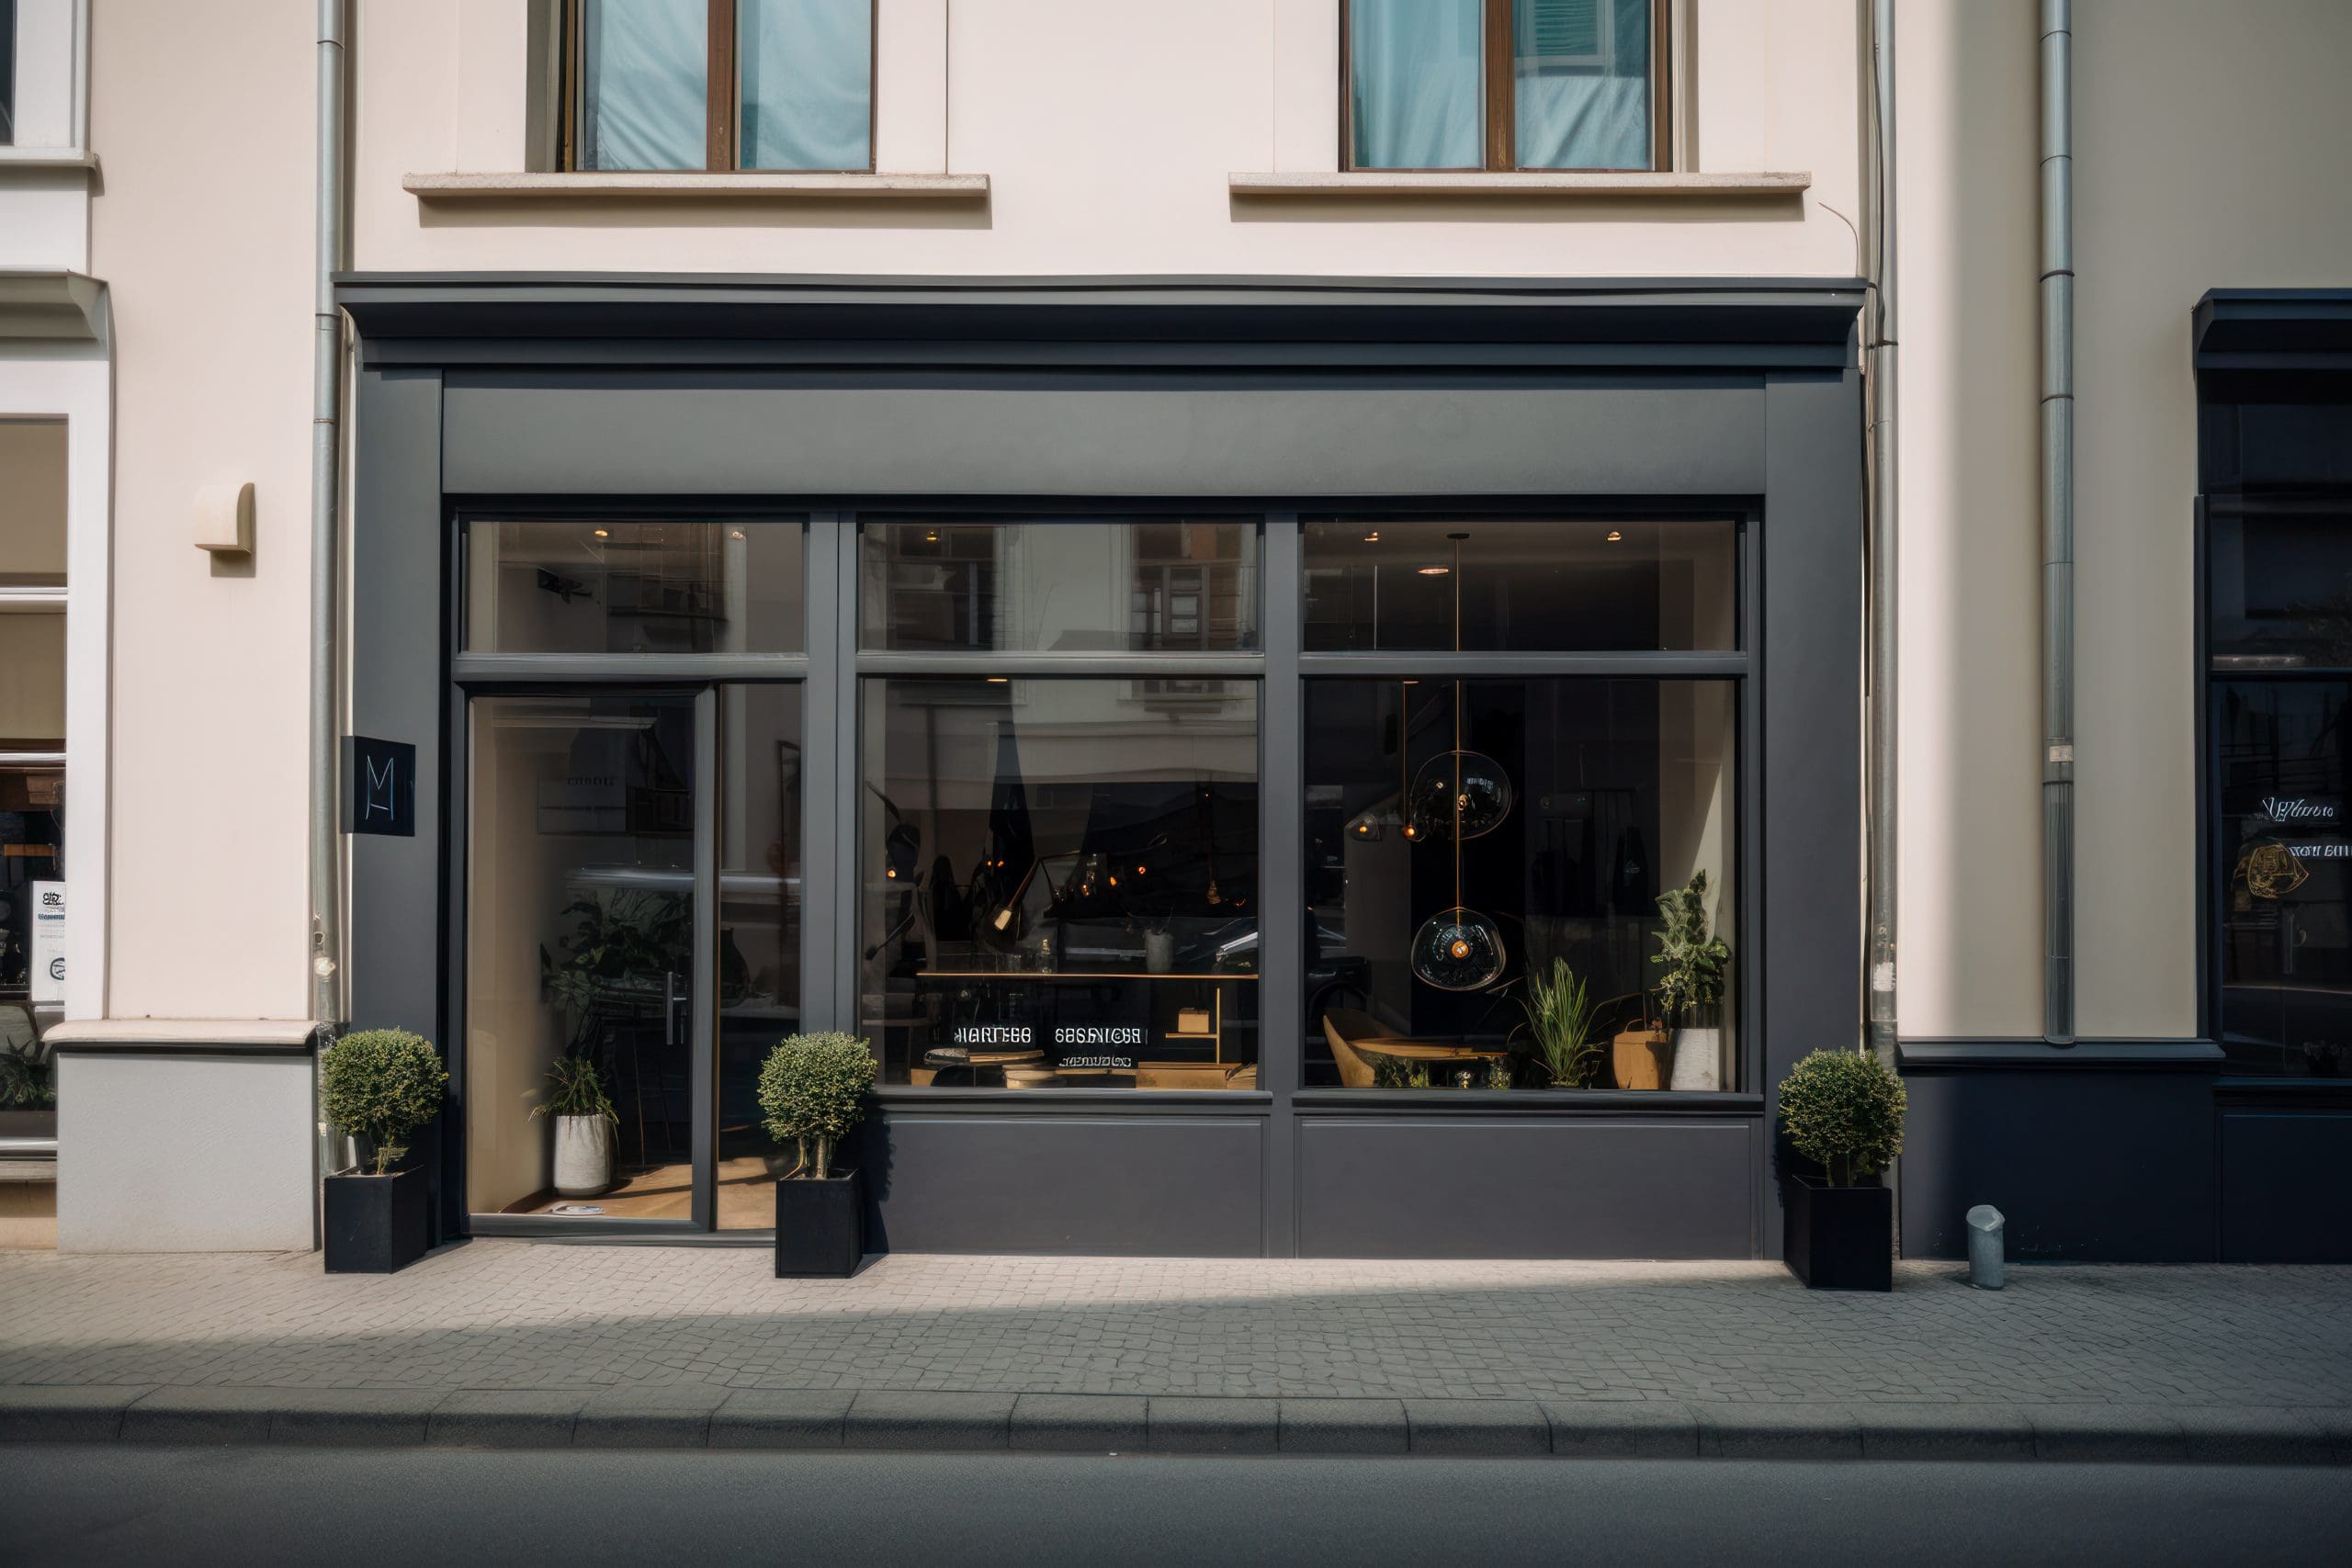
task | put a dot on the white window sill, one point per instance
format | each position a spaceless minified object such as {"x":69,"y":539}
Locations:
{"x":1550,"y":185}
{"x":47,"y":160}
{"x":694,"y":184}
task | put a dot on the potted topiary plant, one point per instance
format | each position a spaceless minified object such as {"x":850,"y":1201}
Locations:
{"x":584,"y":1122}
{"x":1690,"y":985}
{"x":812,"y":1094}
{"x":1842,"y":1110}
{"x":380,"y":1086}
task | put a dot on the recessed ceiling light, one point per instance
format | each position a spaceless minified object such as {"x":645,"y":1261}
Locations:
{"x":738,"y":533}
{"x":1372,"y":538}
{"x":1614,"y":535}
{"x":997,"y":680}
{"x":1435,"y":570}
{"x":603,"y":534}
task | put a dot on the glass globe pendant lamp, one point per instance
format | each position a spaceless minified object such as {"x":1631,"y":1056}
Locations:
{"x":1458,"y":795}
{"x":1458,"y":949}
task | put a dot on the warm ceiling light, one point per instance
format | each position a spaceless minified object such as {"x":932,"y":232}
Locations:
{"x":998,"y":680}
{"x":1435,"y":570}
{"x":738,"y":533}
{"x":1372,"y":538}
{"x":602,"y":534}
{"x":931,"y":536}
{"x":1614,"y":535}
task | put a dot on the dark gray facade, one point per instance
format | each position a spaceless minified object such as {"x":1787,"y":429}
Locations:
{"x":826,"y":396}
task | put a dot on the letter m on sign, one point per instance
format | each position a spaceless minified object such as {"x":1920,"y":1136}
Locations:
{"x":379,"y":786}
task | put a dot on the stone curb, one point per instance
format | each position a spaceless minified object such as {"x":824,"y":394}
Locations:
{"x":707,"y":1416}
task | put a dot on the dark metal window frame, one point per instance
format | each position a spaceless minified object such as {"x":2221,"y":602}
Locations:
{"x":1499,"y":97}
{"x":722,"y":111}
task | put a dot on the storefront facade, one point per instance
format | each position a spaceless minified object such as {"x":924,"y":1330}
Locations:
{"x":1078,"y":724}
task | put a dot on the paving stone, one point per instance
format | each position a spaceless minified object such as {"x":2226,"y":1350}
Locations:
{"x":928,"y":1421}
{"x":65,"y":1414}
{"x":648,"y":1416}
{"x":1620,"y":1429}
{"x":1227,"y":1426}
{"x":1944,"y":1431}
{"x":2334,"y":1427}
{"x":370,"y":1417}
{"x":780,"y":1418}
{"x":2243,"y":1435}
{"x":1081,"y":1423}
{"x":1344,"y":1427}
{"x":1477,"y":1426}
{"x":506,"y":1417}
{"x":2145,"y":1433}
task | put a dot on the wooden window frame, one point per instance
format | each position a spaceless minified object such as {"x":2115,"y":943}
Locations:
{"x":1498,"y":98}
{"x":722,"y":111}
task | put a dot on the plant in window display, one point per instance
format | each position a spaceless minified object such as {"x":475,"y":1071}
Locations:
{"x":1560,"y":1020}
{"x":585,"y":1124}
{"x":28,"y":1080}
{"x":1691,"y":984}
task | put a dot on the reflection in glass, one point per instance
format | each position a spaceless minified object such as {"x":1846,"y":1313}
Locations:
{"x":643,"y":64}
{"x":759,"y":930}
{"x":2280,"y":585}
{"x":1416,"y":81}
{"x":808,"y":82}
{"x":1623,"y":789}
{"x":32,"y":680}
{"x":1580,"y":89}
{"x":1523,"y":586}
{"x":1460,"y":795}
{"x":580,"y":940}
{"x":1125,"y":586}
{"x":587,"y":587}
{"x":1060,"y":883}
{"x":2284,"y":873}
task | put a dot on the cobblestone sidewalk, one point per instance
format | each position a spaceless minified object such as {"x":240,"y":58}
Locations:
{"x":518,"y":1315}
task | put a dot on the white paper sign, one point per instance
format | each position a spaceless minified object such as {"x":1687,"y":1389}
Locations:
{"x":49,"y":941}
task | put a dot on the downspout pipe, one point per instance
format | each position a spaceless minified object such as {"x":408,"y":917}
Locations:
{"x":1878,"y":373}
{"x":2058,"y":521}
{"x":325,"y":954}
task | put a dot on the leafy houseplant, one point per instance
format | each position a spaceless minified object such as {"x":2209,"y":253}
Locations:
{"x":1560,"y":1019}
{"x":27,"y":1082}
{"x":1691,"y":983}
{"x":381,"y":1085}
{"x":1843,"y":1110}
{"x":812,"y":1092}
{"x":584,"y":1122}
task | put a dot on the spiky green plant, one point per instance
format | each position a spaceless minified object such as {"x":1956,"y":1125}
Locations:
{"x":1558,"y":1004}
{"x":576,"y":1088}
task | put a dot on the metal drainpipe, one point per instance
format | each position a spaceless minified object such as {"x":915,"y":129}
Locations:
{"x":326,"y":955}
{"x":1879,"y":369}
{"x":2058,"y":521}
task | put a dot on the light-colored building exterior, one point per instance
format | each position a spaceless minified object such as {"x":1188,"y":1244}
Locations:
{"x":1201,"y":143}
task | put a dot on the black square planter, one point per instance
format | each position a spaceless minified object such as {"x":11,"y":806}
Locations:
{"x":375,"y":1223}
{"x":1839,"y":1238}
{"x":819,"y":1227}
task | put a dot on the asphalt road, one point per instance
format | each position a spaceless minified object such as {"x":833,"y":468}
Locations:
{"x":352,"y":1508}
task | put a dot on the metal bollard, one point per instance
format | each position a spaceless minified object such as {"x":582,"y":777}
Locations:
{"x":1987,"y":1249}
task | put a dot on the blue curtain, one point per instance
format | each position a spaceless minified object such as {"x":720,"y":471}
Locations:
{"x":808,"y":70}
{"x":643,"y":67}
{"x":1581,"y":84}
{"x":1414,"y":98}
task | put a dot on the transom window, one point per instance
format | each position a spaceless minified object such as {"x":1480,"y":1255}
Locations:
{"x":1505,"y":84}
{"x":719,"y":84}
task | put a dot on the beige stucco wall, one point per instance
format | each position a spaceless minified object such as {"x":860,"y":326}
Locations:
{"x":1108,"y":130}
{"x":2209,"y":149}
{"x":201,"y":227}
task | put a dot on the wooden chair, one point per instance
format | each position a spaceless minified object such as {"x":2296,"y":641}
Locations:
{"x":1338,"y":1025}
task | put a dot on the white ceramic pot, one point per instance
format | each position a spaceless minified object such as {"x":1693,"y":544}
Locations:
{"x":583,"y":1155}
{"x":1159,"y":951}
{"x":1697,"y":1059}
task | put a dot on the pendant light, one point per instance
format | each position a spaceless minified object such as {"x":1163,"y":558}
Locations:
{"x":1458,"y":949}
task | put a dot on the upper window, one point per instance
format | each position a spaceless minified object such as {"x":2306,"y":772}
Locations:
{"x":1506,"y":84}
{"x":7,"y":72}
{"x":668,"y":587}
{"x":720,"y":84}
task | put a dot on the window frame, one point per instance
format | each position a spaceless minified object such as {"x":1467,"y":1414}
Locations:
{"x":1498,"y":98}
{"x":722,"y":126}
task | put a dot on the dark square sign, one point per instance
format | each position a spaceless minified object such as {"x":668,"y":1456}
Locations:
{"x":379,"y":786}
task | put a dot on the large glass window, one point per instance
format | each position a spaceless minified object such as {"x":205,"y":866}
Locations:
{"x":1566,"y":85}
{"x":1482,"y":854}
{"x":590,"y":587}
{"x":759,"y":932}
{"x":1520,"y":585}
{"x":32,"y":743}
{"x":1061,"y":882}
{"x":795,"y":84}
{"x":1060,"y":586}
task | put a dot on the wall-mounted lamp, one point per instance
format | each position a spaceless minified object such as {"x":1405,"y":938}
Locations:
{"x":224,"y":518}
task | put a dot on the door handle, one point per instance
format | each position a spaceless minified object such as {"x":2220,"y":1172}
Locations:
{"x":673,"y":1030}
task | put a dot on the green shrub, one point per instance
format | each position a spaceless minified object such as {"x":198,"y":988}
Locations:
{"x":381,"y":1085}
{"x":812,"y":1089}
{"x":1844,"y":1109}
{"x":575,"y":1088}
